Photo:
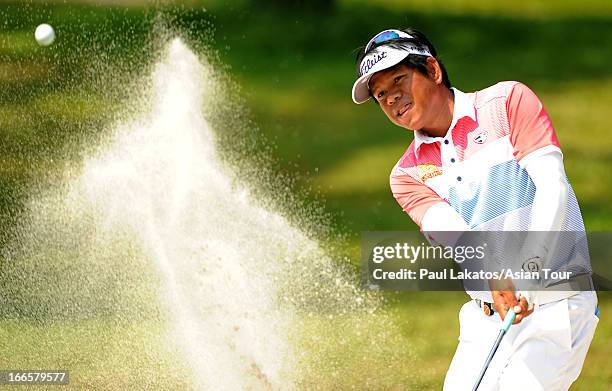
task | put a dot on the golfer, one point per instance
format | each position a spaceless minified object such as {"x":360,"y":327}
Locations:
{"x":487,"y":160}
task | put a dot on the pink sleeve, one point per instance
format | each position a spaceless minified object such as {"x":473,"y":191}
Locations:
{"x":530,"y":126}
{"x":413,"y":196}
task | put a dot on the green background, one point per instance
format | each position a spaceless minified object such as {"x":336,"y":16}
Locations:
{"x":294,"y":64}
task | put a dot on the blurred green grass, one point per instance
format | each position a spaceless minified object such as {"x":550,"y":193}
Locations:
{"x":98,"y":354}
{"x":295,"y":68}
{"x":536,"y":9}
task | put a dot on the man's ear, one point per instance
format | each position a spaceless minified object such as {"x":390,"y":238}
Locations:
{"x":434,"y":70}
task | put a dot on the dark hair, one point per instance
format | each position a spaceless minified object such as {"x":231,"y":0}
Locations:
{"x":415,"y":61}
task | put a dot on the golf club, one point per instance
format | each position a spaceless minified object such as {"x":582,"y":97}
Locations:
{"x":510,"y":315}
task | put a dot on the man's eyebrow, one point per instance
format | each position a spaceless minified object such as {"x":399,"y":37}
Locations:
{"x":375,"y":85}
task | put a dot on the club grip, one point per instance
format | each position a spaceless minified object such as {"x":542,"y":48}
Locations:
{"x":510,"y":316}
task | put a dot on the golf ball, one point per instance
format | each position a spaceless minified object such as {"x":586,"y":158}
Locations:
{"x":44,"y":34}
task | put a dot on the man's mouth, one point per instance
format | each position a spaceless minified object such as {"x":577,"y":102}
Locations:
{"x":404,"y":109}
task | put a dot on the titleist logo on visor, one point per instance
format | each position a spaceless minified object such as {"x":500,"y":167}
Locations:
{"x":370,"y":61}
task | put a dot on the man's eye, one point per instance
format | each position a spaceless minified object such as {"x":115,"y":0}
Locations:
{"x":380,"y":95}
{"x":397,"y":78}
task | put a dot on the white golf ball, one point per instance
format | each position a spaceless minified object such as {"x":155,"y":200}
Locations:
{"x":44,"y":34}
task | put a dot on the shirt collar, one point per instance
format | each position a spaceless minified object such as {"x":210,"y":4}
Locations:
{"x":463,"y":107}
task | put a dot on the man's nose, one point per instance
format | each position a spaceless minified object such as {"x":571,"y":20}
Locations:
{"x":393,"y":96}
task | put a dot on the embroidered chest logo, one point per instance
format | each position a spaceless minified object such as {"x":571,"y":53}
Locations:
{"x":481,"y":137}
{"x":428,"y":171}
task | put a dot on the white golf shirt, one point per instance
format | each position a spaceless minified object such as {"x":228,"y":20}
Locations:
{"x":498,"y":168}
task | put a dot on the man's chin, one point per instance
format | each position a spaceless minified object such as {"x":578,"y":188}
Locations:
{"x":406,"y":125}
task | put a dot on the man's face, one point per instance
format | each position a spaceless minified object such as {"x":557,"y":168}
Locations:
{"x":404,"y":94}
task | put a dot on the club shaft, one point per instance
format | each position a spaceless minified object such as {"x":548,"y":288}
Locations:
{"x":489,"y":358}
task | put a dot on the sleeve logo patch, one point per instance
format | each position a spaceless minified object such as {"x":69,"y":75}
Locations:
{"x":428,"y":171}
{"x":481,"y":137}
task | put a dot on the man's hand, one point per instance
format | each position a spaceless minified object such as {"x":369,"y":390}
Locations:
{"x":504,"y":298}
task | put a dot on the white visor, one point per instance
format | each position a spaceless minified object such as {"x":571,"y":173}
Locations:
{"x":379,"y":59}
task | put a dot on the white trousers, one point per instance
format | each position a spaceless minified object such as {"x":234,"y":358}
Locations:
{"x":544,"y":352}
